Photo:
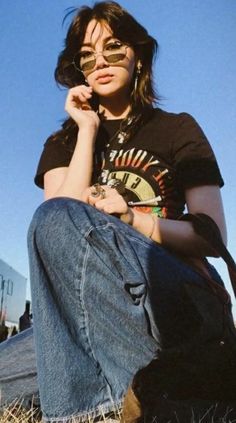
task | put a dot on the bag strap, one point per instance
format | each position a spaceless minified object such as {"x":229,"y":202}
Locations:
{"x":206,"y":227}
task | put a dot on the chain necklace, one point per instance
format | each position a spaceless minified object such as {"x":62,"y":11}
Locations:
{"x":122,"y":133}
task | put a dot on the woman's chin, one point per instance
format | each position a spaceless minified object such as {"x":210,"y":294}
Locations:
{"x":109,"y":91}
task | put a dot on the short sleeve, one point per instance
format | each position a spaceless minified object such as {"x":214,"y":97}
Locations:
{"x":193,"y":157}
{"x":55,"y":154}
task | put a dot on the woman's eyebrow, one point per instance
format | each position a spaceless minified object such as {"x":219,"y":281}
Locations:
{"x":110,"y":37}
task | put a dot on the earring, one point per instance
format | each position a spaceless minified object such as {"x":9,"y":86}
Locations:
{"x":138,"y":72}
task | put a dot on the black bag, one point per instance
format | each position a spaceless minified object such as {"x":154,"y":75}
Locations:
{"x":196,"y":381}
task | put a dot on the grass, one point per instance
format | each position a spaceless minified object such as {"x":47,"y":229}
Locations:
{"x":16,"y":413}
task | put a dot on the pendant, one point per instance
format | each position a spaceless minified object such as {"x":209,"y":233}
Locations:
{"x":121,"y":137}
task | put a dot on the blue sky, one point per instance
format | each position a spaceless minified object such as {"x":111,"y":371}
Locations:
{"x":195,"y":72}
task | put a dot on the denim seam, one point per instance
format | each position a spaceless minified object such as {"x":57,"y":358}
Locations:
{"x":102,"y":226}
{"x":147,"y":242}
{"x":86,"y":328}
{"x":79,"y":418}
{"x":108,"y":225}
{"x":18,"y":376}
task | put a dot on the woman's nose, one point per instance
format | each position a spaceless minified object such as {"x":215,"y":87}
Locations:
{"x":101,"y":61}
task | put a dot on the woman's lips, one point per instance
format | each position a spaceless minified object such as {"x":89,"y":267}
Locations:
{"x":104,"y":79}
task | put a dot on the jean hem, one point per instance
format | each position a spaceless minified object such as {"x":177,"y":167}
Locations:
{"x":86,"y":416}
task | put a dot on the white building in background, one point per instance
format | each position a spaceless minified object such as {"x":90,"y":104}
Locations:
{"x":12,"y":294}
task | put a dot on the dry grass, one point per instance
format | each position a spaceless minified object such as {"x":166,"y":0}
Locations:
{"x":16,"y":413}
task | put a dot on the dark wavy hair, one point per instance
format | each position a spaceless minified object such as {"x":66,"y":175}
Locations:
{"x":124,"y":27}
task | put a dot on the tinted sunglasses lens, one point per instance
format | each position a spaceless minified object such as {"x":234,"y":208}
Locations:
{"x":114,"y":57}
{"x":82,"y":64}
{"x":89,"y":65}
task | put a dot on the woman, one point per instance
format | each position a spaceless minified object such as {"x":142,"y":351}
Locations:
{"x":106,"y":250}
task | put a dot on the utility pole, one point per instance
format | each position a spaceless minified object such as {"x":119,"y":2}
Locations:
{"x":2,"y":298}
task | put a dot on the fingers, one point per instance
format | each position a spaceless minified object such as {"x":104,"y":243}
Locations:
{"x":78,"y":97}
{"x":97,"y":193}
{"x":112,"y":206}
{"x":78,"y":107}
{"x":107,"y":199}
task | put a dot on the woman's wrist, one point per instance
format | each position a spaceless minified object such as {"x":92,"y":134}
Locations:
{"x":88,"y":131}
{"x":86,"y":137}
{"x":128,"y":217}
{"x":147,"y":224}
{"x":153,"y":225}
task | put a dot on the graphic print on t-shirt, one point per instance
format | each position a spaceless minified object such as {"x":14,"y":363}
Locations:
{"x":149,"y":184}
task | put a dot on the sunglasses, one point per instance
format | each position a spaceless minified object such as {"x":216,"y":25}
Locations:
{"x":85,"y":60}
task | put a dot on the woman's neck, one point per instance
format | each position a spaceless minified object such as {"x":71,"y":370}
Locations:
{"x":114,"y":108}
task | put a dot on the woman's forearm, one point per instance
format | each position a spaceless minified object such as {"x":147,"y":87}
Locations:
{"x":178,"y":236}
{"x":79,"y":172}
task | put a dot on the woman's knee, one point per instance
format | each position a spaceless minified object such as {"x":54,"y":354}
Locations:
{"x":52,"y":219}
{"x":60,"y":218}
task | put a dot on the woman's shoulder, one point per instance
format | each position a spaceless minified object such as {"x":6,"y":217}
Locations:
{"x":176,"y":124}
{"x":64,"y":136}
{"x":172,"y":117}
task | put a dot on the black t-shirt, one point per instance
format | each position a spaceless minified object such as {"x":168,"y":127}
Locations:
{"x":167,"y":155}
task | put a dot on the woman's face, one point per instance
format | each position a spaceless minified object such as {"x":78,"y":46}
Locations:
{"x":107,"y":78}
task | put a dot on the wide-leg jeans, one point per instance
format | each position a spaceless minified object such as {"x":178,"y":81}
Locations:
{"x":104,"y":302}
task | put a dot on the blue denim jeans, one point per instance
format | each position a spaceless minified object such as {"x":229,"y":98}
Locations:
{"x":18,"y":374}
{"x":105,"y":301}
